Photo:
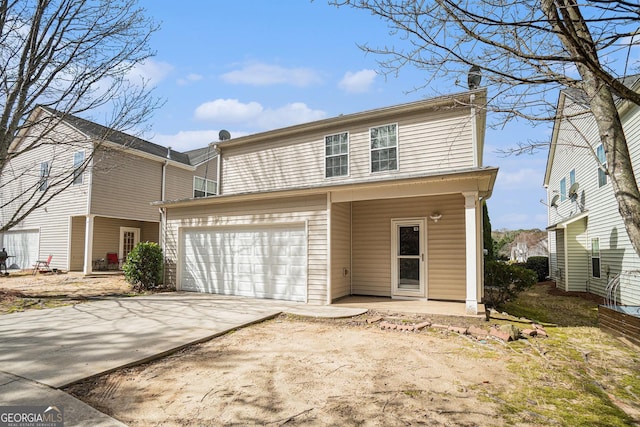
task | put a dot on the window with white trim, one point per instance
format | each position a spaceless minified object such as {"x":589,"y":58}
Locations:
{"x":572,"y":177}
{"x":336,"y":151}
{"x":203,"y":187}
{"x":384,"y":148}
{"x":563,"y":189}
{"x":602,"y":166}
{"x":78,"y":163}
{"x":595,"y":257}
{"x":44,"y":176}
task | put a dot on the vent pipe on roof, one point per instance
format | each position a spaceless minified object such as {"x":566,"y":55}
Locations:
{"x":169,"y":153}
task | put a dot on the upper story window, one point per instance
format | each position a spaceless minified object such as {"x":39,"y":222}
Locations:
{"x":384,"y":148}
{"x":78,"y":163}
{"x":563,"y":189}
{"x":336,"y":151}
{"x":572,"y":177}
{"x":602,"y":175}
{"x":203,"y":187}
{"x":44,"y":176}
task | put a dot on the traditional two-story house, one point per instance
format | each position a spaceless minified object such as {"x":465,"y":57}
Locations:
{"x":384,"y":202}
{"x":588,"y":243}
{"x":110,"y":180}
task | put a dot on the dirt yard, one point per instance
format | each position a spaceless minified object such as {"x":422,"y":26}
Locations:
{"x":296,"y":371}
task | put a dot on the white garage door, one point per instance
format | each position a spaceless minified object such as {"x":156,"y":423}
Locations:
{"x":23,"y":245}
{"x":267,"y":262}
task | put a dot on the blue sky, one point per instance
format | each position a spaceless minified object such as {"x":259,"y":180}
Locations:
{"x":250,"y":66}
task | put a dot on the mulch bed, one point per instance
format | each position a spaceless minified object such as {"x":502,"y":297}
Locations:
{"x":553,"y":290}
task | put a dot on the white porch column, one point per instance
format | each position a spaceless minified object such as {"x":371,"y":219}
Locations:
{"x":88,"y":245}
{"x":470,"y":214}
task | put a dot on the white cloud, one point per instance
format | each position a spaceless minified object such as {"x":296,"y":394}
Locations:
{"x":260,"y":74}
{"x":358,"y":82}
{"x":519,"y":179}
{"x":288,"y":115}
{"x":190,"y":78}
{"x":150,"y":71}
{"x":253,"y":115}
{"x":228,"y":110}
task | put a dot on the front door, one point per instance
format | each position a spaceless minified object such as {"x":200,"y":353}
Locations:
{"x":408,"y":257}
{"x":129,"y":238}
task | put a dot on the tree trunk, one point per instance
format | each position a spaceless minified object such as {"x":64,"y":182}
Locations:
{"x":619,"y":167}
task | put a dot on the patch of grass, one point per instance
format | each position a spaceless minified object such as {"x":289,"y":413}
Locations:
{"x":412,"y":393}
{"x":539,"y":305}
{"x":577,"y":376}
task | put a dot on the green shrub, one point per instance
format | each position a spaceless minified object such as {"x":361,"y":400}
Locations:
{"x":539,"y":264}
{"x":503,"y":282}
{"x":143,"y":267}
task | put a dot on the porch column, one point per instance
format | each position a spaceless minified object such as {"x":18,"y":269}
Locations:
{"x":88,"y":245}
{"x":470,"y":215}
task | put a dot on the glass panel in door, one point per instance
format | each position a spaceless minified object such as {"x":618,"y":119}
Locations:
{"x":409,"y":258}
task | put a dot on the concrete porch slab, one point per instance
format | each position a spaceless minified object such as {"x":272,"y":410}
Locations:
{"x":445,"y":308}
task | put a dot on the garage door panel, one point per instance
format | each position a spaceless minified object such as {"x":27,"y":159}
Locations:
{"x":23,"y":246}
{"x":261,"y":263}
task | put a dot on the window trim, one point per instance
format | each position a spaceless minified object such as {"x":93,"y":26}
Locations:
{"x":594,"y":258}
{"x":397,"y":147}
{"x":206,"y":182}
{"x":327,"y":157}
{"x":78,"y":174}
{"x":563,"y":189}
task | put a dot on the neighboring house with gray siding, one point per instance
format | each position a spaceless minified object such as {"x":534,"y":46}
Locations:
{"x":588,"y":242}
{"x":106,"y":208}
{"x":384,"y":202}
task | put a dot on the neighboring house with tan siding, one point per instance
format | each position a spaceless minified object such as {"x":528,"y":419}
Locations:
{"x":384,"y":202}
{"x":107,"y":208}
{"x":588,"y":243}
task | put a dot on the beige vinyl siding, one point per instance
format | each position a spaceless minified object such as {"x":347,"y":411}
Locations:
{"x":340,"y":250}
{"x":78,"y":228}
{"x":446,"y":264}
{"x":553,"y":255}
{"x":124,"y":185}
{"x":179,"y":181}
{"x":561,"y":271}
{"x":52,"y":220}
{"x":429,"y":143}
{"x":578,"y":265}
{"x":310,"y":210}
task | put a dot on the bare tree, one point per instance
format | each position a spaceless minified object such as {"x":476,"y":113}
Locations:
{"x":526,"y":51}
{"x":67,"y":57}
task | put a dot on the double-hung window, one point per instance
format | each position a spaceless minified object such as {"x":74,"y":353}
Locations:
{"x":602,"y":166}
{"x":44,"y":176}
{"x":563,"y":189}
{"x":203,"y":187}
{"x":78,"y":163}
{"x":336,"y":151}
{"x":384,"y":148}
{"x":595,"y":257}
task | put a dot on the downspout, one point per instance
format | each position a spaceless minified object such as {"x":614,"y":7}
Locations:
{"x":163,"y":246}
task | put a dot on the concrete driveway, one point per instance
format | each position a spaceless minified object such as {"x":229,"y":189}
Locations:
{"x":42,"y":350}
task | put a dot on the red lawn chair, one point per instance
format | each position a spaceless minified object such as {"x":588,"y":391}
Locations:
{"x":42,"y":266}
